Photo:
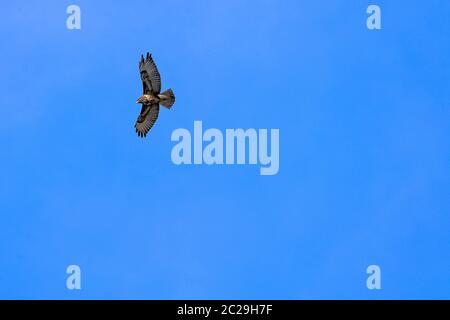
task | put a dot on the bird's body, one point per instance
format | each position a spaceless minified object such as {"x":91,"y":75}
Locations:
{"x":151,"y":99}
{"x":152,"y":96}
{"x":148,"y":99}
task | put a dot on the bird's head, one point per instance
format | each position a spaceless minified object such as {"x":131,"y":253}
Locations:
{"x":139,"y":100}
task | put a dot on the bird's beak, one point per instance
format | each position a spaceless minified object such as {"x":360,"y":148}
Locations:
{"x":137,"y":101}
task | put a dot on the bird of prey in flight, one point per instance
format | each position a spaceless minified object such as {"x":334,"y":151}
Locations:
{"x":152,"y":96}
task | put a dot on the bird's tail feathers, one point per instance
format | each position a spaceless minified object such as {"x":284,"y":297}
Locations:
{"x":167,"y":98}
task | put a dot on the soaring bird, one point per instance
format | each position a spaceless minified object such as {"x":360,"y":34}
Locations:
{"x":152,"y":96}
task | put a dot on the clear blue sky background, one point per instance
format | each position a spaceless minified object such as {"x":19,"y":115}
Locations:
{"x":364,"y":150}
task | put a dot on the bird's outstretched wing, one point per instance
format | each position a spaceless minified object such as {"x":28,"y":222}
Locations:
{"x":150,"y":77}
{"x":147,"y":118}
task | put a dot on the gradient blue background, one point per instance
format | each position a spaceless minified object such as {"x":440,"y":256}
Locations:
{"x":364,"y":150}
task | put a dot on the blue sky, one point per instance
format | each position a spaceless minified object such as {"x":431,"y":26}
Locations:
{"x":364,"y":151}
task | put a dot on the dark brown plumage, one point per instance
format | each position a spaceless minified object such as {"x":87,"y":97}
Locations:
{"x":152,"y":96}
